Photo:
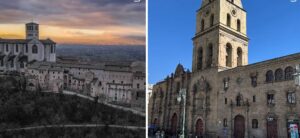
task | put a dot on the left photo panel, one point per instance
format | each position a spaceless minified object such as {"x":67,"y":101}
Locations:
{"x":73,"y":68}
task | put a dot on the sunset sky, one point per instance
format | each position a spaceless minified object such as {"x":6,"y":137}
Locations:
{"x":93,"y":22}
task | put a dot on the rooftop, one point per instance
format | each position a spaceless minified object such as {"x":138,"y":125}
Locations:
{"x":24,"y":41}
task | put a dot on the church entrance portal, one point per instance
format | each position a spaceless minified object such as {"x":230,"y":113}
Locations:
{"x":174,"y":124}
{"x":239,"y":127}
{"x":271,"y":127}
{"x":199,"y":128}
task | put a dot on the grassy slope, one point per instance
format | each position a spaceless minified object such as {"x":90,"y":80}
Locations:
{"x":21,"y":109}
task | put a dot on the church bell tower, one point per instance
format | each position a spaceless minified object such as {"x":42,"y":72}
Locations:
{"x":221,"y":38}
{"x":32,"y":30}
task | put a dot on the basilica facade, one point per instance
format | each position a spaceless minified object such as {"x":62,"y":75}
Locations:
{"x":15,"y":54}
{"x":226,"y":96}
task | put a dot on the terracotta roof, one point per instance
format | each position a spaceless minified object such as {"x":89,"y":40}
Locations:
{"x":47,"y":41}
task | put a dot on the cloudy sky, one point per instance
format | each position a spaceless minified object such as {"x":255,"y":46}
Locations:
{"x":95,"y":22}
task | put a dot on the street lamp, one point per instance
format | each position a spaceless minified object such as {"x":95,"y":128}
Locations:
{"x":182,"y":97}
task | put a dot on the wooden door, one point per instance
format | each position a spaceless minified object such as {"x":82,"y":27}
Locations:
{"x":239,"y":127}
{"x":199,"y":128}
{"x":174,"y":124}
{"x":272,"y":128}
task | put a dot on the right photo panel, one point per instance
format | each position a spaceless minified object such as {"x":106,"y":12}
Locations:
{"x":223,"y":69}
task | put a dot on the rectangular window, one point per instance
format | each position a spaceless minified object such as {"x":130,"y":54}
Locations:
{"x":26,"y":48}
{"x":291,"y":98}
{"x":138,"y":86}
{"x":51,"y":47}
{"x":2,"y":62}
{"x":17,"y":48}
{"x":225,"y":123}
{"x":225,"y":100}
{"x":137,"y":96}
{"x":270,"y":98}
{"x":254,"y":99}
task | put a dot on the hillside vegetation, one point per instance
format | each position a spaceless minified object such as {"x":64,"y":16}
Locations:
{"x":21,"y":109}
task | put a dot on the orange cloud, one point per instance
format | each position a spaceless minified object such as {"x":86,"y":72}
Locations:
{"x":96,"y":22}
{"x":112,"y":35}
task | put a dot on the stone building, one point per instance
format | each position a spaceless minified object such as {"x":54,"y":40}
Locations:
{"x":226,"y":96}
{"x":124,"y":84}
{"x":35,"y":60}
{"x":15,"y":54}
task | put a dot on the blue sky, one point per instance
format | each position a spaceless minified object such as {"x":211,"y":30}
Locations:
{"x":273,"y":28}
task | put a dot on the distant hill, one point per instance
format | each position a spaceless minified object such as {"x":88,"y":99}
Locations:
{"x":102,"y":53}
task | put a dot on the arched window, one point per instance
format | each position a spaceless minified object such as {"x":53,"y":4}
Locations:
{"x":225,"y":122}
{"x":228,"y":55}
{"x":209,"y":55}
{"x":239,"y":56}
{"x":289,"y":73}
{"x":212,"y":20}
{"x":200,"y":58}
{"x":238,"y":24}
{"x":228,"y":20}
{"x":202,"y":25}
{"x":278,"y":75}
{"x":254,"y":123}
{"x":269,"y":76}
{"x":34,"y":49}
